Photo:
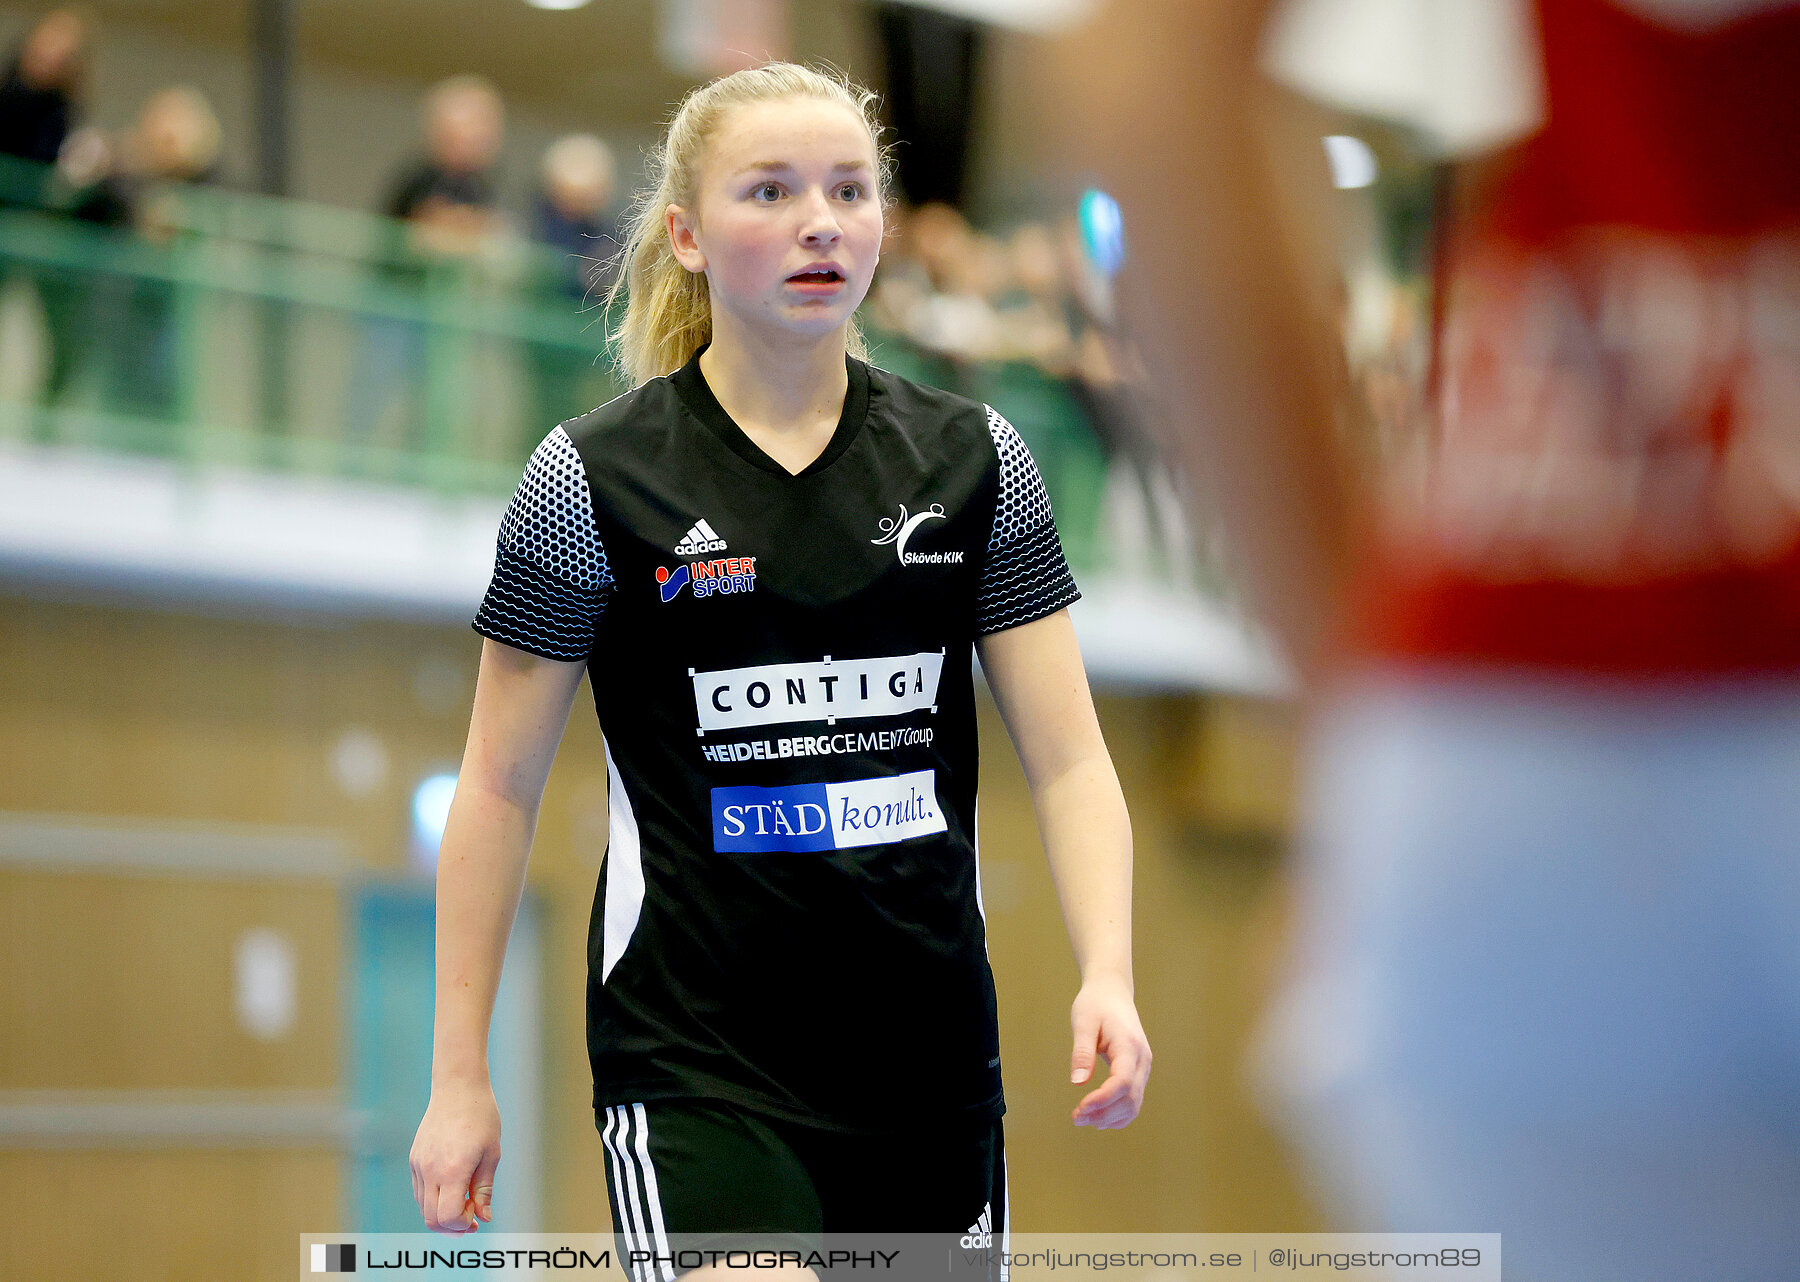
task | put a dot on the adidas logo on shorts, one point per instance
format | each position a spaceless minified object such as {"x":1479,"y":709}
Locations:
{"x":701,"y":538}
{"x":981,"y":1233}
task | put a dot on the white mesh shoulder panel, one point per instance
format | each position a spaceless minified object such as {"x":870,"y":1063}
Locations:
{"x":550,"y":521}
{"x":551,"y":578}
{"x":1024,"y":502}
{"x":1025,"y":576}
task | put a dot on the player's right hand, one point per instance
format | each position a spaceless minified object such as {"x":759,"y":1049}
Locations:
{"x":454,"y":1157}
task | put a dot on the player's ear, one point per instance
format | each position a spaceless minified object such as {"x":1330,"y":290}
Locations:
{"x":680,"y":223}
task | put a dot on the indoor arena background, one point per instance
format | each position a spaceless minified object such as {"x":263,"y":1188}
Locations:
{"x":255,"y":437}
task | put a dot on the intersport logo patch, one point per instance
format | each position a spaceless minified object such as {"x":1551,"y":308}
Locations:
{"x":826,"y":816}
{"x":733,"y":574}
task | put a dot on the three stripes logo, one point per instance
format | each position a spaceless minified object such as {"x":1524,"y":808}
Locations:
{"x":329,"y":1257}
{"x":981,"y":1233}
{"x":701,"y":538}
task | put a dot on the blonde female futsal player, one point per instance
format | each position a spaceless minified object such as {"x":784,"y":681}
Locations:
{"x":773,"y":559}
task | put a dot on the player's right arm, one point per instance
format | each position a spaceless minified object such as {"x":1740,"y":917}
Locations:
{"x":522,"y":705}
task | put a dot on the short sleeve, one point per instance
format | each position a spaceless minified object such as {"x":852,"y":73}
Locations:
{"x":551,"y":579}
{"x":1025,"y":576}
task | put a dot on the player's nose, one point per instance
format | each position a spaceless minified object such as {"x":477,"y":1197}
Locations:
{"x":819,"y":224}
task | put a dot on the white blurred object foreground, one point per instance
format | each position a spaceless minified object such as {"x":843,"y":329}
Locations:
{"x":1550,"y":982}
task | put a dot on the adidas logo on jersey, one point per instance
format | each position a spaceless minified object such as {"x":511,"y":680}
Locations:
{"x":701,"y":538}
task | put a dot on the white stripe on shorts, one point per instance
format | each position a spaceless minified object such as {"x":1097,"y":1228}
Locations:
{"x":622,"y":1187}
{"x":1005,"y":1213}
{"x":651,"y":1196}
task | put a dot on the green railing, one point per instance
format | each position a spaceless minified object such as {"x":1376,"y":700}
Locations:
{"x":237,"y":328}
{"x":225,"y":327}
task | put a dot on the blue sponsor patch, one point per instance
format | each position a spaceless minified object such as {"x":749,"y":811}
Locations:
{"x":826,"y":816}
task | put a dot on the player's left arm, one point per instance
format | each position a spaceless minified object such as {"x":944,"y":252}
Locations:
{"x":1041,"y":687}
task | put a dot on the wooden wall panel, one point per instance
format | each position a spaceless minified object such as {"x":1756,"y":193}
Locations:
{"x":116,"y":712}
{"x":126,"y":983}
{"x":211,"y":1216}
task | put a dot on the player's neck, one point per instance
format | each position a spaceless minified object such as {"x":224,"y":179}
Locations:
{"x":785,"y":396}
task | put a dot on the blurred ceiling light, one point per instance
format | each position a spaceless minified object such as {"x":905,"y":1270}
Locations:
{"x":712,"y":37}
{"x":1352,"y":163}
{"x":431,"y":811}
{"x":556,"y":4}
{"x":1102,"y":231}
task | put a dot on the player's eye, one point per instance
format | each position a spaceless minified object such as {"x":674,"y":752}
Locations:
{"x":767,"y":192}
{"x":850,"y":191}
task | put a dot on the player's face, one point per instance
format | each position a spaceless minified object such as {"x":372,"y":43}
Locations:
{"x":787,"y":224}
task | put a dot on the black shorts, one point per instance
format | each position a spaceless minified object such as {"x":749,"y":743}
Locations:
{"x":713,"y":1169}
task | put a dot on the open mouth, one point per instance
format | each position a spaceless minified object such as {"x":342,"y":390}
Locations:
{"x":826,"y":277}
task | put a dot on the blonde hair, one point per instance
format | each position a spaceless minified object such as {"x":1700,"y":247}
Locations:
{"x":668,"y":314}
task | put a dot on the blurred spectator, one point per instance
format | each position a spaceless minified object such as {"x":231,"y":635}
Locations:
{"x":124,"y":328}
{"x":133,"y":178}
{"x":1035,"y":312}
{"x":1105,"y":377}
{"x":966,"y":272}
{"x":573,"y":211}
{"x":38,"y":104}
{"x":445,"y":200}
{"x":177,"y":137}
{"x":89,"y":177}
{"x":447,"y":196}
{"x":38,"y":91}
{"x":572,"y":216}
{"x":900,"y":283}
{"x":1026,"y":323}
{"x":174,"y":142}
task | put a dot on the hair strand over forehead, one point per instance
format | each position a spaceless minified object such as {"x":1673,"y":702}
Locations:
{"x":668,"y":314}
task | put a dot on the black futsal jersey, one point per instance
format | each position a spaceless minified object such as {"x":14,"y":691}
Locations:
{"x":789,"y":916}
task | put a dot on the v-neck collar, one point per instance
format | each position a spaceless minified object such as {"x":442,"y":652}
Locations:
{"x":690,"y":384}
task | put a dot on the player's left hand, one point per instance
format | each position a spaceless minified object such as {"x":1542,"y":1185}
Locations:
{"x":1106,"y":1023}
